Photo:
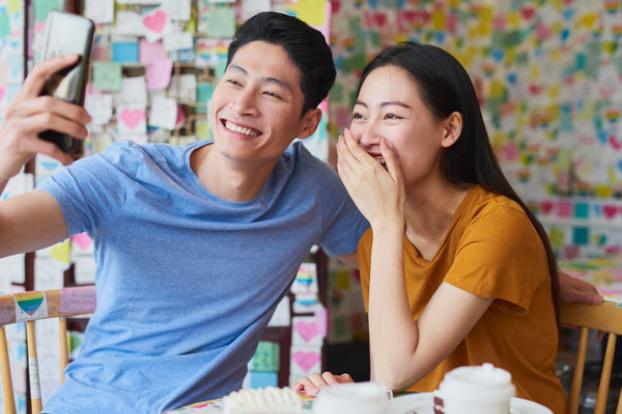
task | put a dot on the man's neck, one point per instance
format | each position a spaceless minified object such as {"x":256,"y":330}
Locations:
{"x":226,"y":179}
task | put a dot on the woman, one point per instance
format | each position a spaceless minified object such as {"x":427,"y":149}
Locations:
{"x":455,"y":269}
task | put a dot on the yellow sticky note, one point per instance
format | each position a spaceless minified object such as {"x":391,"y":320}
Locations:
{"x":438,"y":20}
{"x":497,"y":89}
{"x":61,"y":251}
{"x":588,"y":20}
{"x":312,"y":12}
{"x":13,"y":6}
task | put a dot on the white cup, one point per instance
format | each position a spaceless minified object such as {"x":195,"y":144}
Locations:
{"x":475,"y":390}
{"x":359,"y":398}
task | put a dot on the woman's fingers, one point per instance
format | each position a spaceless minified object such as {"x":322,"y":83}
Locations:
{"x":391,"y":161}
{"x":36,"y":79}
{"x":344,"y":378}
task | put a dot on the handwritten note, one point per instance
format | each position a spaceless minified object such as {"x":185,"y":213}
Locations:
{"x":78,"y":299}
{"x":107,"y":76}
{"x":184,"y":88}
{"x":159,"y":74}
{"x":100,"y":11}
{"x":178,"y":40}
{"x":163,"y":112}
{"x":220,"y":22}
{"x":177,"y":9}
{"x":134,"y":90}
{"x":129,"y":23}
{"x":151,"y":51}
{"x":99,"y":106}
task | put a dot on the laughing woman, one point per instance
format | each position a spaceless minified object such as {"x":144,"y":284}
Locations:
{"x":455,"y":269}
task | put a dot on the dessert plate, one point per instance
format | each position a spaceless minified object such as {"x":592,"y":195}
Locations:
{"x":423,"y":404}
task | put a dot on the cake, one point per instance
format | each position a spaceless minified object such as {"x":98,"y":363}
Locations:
{"x":263,"y":401}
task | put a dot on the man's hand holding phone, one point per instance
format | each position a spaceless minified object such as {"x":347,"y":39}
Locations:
{"x":30,"y":114}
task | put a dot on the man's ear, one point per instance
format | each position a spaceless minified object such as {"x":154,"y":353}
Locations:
{"x":309,"y":123}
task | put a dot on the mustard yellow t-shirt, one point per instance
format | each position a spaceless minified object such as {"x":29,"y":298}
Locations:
{"x":493,"y":251}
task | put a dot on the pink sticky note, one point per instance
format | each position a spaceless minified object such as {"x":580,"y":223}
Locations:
{"x":82,"y":240}
{"x":151,"y":51}
{"x":159,"y":74}
{"x":78,"y":299}
{"x":564,"y":209}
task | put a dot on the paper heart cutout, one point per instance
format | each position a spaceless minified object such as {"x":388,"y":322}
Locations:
{"x":132,"y":117}
{"x":30,"y":302}
{"x":155,"y":21}
{"x":307,"y":330}
{"x":547,"y":206}
{"x":306,"y":360}
{"x":82,"y":240}
{"x":528,"y":12}
{"x":610,"y":211}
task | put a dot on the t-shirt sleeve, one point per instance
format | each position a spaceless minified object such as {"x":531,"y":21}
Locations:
{"x":363,"y":254}
{"x":500,"y":257}
{"x":88,"y":192}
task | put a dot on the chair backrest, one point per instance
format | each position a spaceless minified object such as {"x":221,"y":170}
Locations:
{"x":606,"y":318}
{"x":28,"y":307}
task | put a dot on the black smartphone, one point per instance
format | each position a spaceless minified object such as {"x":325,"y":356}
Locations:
{"x":67,"y":34}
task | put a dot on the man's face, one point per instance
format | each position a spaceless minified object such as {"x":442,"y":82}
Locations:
{"x":256,"y":106}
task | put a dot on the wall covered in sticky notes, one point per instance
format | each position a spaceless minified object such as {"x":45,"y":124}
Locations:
{"x":548,"y":75}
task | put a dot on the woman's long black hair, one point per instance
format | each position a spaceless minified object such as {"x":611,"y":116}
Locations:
{"x":445,"y":87}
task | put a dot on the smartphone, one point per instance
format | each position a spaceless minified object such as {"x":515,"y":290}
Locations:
{"x":67,"y":34}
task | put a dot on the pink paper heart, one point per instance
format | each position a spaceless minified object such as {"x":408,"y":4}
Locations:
{"x":306,"y":360}
{"x":547,"y":206}
{"x":132,"y":117}
{"x":307,"y":330}
{"x":82,"y":240}
{"x":155,"y":21}
{"x":610,"y":211}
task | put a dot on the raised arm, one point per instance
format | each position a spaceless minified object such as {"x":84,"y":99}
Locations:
{"x":34,"y":220}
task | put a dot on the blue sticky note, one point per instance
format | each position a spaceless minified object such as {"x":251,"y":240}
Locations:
{"x":581,"y":210}
{"x":125,"y":52}
{"x":581,"y":236}
{"x":263,"y":379}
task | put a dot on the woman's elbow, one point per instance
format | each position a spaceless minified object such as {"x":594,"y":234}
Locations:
{"x":392,"y":377}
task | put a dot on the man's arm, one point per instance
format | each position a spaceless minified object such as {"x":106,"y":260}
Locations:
{"x":29,"y":222}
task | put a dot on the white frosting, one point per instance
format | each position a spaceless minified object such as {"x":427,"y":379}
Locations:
{"x":263,"y":401}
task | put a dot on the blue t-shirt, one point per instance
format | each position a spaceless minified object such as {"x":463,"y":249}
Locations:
{"x":186,"y":281}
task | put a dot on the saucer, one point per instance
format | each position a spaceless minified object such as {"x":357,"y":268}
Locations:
{"x":423,"y":404}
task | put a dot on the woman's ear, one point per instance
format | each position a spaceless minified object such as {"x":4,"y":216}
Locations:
{"x":452,"y":129}
{"x":309,"y":123}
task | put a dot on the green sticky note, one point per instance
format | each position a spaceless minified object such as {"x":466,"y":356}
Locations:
{"x":204,"y":92}
{"x":221,"y":66}
{"x":107,"y":76}
{"x":4,"y":25}
{"x":581,"y":236}
{"x":44,"y":7}
{"x":266,"y":357}
{"x":220,"y":22}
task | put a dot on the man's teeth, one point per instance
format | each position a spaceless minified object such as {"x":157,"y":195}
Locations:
{"x":236,"y":128}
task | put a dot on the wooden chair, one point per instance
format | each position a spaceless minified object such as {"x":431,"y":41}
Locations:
{"x":607,"y":318}
{"x":28,"y":307}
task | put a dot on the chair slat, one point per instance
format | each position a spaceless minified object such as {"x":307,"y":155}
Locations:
{"x":33,"y":368}
{"x":605,"y":377}
{"x":64,"y":352}
{"x":577,"y":377}
{"x":7,"y":383}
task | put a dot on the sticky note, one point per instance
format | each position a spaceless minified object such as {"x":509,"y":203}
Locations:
{"x":151,"y":51}
{"x":159,"y":74}
{"x":107,"y":76}
{"x":581,"y":236}
{"x":312,"y":12}
{"x":44,"y":7}
{"x":163,"y":112}
{"x":4,"y":25}
{"x":220,"y":22}
{"x":204,"y":92}
{"x":131,"y":120}
{"x":581,"y":210}
{"x":125,"y":52}
{"x":263,"y":379}
{"x":564,"y":209}
{"x":266,"y":357}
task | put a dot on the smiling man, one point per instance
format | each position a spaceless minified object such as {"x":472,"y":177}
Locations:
{"x":195,"y":246}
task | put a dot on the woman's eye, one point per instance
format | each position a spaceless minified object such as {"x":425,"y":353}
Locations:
{"x":392,"y":116}
{"x":357,"y":115}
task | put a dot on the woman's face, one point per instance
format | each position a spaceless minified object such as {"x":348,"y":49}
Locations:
{"x":388,"y":106}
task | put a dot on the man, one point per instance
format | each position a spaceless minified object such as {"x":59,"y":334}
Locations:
{"x":195,"y":245}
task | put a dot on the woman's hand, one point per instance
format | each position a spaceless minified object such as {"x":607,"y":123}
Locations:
{"x":378,"y":193}
{"x":573,"y":290}
{"x":29,"y":114}
{"x":312,"y":385}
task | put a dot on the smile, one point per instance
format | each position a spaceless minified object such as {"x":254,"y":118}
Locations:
{"x":249,"y":132}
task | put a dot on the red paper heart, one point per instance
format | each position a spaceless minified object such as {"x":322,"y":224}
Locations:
{"x":610,"y":211}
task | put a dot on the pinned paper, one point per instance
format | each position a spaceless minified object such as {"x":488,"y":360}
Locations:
{"x":305,"y":360}
{"x":163,"y":112}
{"x":252,"y":7}
{"x":177,"y":9}
{"x":151,"y":51}
{"x":78,"y":299}
{"x":129,"y":23}
{"x":312,"y":12}
{"x":204,"y":92}
{"x":99,"y":106}
{"x":131,"y":120}
{"x":134,"y":90}
{"x":125,"y":51}
{"x":281,"y":315}
{"x":178,"y":40}
{"x":30,"y":305}
{"x":184,"y":88}
{"x":306,"y":303}
{"x":156,"y":24}
{"x":61,"y":252}
{"x":220,"y":22}
{"x":266,"y":357}
{"x":159,"y":74}
{"x":82,"y":244}
{"x":306,"y":279}
{"x":307,"y":330}
{"x":107,"y":76}
{"x":85,"y":270}
{"x":100,"y":11}
{"x":44,"y":7}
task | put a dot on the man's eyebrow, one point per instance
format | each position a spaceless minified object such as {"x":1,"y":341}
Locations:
{"x":268,"y":79}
